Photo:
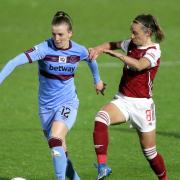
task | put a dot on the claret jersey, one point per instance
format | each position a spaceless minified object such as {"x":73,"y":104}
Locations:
{"x":139,"y":84}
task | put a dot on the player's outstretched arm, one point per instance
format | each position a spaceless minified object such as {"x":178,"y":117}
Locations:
{"x":96,"y":51}
{"x":11,"y":65}
{"x":138,"y":65}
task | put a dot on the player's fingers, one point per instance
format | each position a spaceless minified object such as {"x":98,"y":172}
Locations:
{"x":93,"y":54}
{"x":103,"y":89}
{"x":102,"y":92}
{"x":97,"y":91}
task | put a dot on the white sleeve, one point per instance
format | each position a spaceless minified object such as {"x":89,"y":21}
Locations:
{"x":125,"y":45}
{"x":153,"y":55}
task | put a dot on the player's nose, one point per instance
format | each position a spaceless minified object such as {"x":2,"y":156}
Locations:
{"x":56,"y":38}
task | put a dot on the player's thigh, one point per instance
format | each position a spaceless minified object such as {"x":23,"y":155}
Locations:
{"x":59,"y":129}
{"x":57,"y":122}
{"x":115,"y":114}
{"x":64,"y":119}
{"x":142,"y":114}
{"x":147,"y":139}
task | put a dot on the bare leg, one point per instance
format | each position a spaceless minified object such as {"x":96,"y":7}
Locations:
{"x":148,"y":145}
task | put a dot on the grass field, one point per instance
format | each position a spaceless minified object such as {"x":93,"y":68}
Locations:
{"x":23,"y":149}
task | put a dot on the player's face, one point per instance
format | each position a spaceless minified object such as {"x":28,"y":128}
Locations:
{"x":61,"y":35}
{"x":139,"y":36}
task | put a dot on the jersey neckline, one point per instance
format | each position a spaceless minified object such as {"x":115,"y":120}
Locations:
{"x":70,"y":45}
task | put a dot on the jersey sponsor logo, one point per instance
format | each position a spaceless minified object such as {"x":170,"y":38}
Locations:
{"x":62,"y":68}
{"x":62,"y":59}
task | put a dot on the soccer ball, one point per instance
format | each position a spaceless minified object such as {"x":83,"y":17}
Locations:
{"x":18,"y":178}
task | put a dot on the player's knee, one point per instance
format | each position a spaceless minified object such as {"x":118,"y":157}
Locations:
{"x":64,"y":146}
{"x":55,"y":142}
{"x":103,"y":117}
{"x":150,"y":153}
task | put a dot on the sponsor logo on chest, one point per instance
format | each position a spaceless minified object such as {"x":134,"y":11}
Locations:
{"x":61,"y":68}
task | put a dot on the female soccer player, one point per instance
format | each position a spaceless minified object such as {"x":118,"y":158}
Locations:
{"x":134,"y":101}
{"x":58,"y":58}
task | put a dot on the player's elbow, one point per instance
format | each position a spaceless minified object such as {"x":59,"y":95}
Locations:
{"x":142,"y":64}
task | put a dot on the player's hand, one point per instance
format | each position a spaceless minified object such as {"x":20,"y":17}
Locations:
{"x":100,"y":87}
{"x":94,"y":53}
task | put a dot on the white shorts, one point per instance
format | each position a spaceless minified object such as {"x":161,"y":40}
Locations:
{"x":140,"y":112}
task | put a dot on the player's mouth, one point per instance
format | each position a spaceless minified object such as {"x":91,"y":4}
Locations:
{"x":58,"y":44}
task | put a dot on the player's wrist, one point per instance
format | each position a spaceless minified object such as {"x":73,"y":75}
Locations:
{"x":121,"y":57}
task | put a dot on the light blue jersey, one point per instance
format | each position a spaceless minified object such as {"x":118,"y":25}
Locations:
{"x":56,"y":72}
{"x":58,"y":99}
{"x":57,"y":68}
{"x":57,"y":93}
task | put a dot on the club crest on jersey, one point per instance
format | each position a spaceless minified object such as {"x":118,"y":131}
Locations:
{"x":62,"y":59}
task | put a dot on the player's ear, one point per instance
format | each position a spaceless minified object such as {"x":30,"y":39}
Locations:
{"x":149,"y":32}
{"x":70,"y":34}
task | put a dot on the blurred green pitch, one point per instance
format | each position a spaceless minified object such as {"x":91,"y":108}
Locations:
{"x":23,"y":149}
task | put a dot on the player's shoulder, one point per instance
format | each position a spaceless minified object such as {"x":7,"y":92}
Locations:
{"x":155,"y":47}
{"x":78,"y":46}
{"x":42,"y":45}
{"x":126,"y":44}
{"x":80,"y":49}
{"x":49,"y":43}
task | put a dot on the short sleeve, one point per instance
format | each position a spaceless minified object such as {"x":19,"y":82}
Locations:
{"x":84,"y":54}
{"x":153,"y":55}
{"x":125,"y":45}
{"x":37,"y":52}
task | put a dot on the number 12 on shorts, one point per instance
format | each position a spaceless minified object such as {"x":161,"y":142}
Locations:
{"x":65,"y":111}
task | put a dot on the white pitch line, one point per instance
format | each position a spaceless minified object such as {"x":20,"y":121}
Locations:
{"x":170,"y":63}
{"x":119,"y":64}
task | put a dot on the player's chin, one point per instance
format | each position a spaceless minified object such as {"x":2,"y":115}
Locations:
{"x":59,"y":45}
{"x":134,"y":41}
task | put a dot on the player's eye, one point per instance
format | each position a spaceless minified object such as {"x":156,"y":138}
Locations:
{"x":60,"y":34}
{"x":134,"y":32}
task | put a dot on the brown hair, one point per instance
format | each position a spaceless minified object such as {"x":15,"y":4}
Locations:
{"x":62,"y":18}
{"x":149,"y":21}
